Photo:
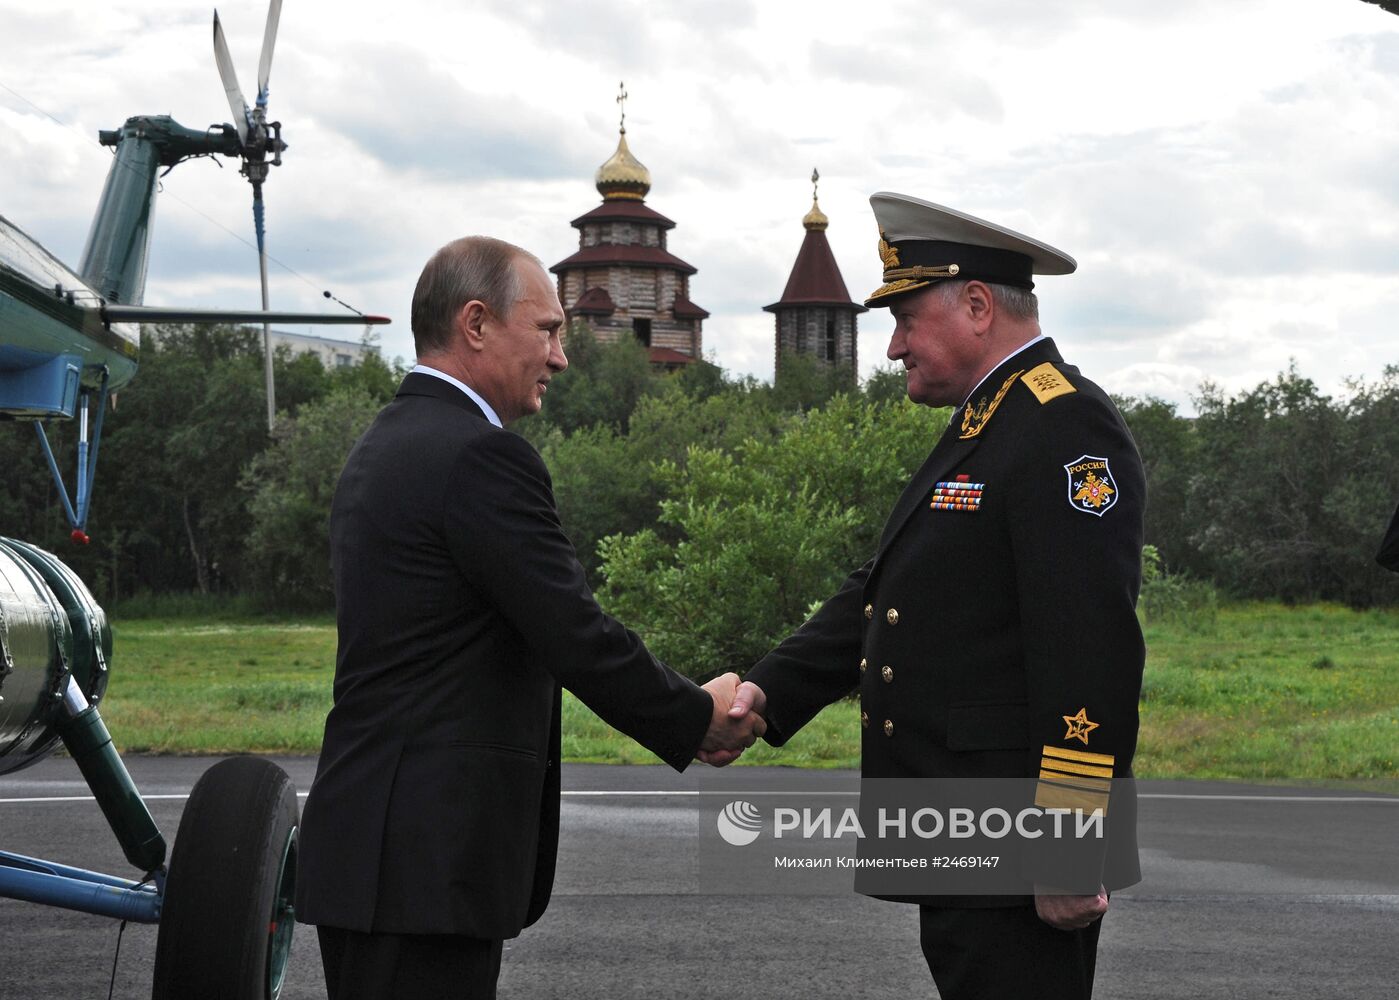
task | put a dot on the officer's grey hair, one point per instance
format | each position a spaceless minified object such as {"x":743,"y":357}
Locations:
{"x":1018,"y":303}
{"x":473,"y":267}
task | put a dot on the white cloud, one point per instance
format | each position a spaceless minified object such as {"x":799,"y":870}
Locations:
{"x":1223,"y":172}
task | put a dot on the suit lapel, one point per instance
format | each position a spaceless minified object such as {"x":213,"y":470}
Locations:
{"x":419,"y":384}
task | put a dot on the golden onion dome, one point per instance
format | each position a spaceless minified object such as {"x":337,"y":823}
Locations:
{"x":623,"y":176}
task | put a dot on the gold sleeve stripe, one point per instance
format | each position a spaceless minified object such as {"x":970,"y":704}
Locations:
{"x":1089,"y":784}
{"x":1063,"y":765}
{"x":1082,"y":756}
{"x":1053,"y":797}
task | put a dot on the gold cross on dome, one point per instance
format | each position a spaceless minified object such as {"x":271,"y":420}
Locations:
{"x":814,"y":178}
{"x":622,"y":105}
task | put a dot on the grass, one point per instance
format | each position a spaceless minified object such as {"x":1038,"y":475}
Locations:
{"x":832,"y":739}
{"x":1262,"y":692}
{"x":1274,"y":693}
{"x":220,"y":686}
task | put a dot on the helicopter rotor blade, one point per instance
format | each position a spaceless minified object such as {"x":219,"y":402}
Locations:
{"x":236,"y":104}
{"x":269,"y":39}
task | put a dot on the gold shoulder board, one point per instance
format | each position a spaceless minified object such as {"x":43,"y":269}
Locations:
{"x":1047,"y":382}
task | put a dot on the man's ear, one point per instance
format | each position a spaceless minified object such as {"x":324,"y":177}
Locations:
{"x":469,"y":324}
{"x":980,"y":305}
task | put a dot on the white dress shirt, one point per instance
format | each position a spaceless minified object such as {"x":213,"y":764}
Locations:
{"x":471,"y":393}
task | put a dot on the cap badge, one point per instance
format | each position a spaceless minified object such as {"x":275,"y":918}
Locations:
{"x":887,"y":253}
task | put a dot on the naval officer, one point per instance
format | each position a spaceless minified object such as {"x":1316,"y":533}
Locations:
{"x":993,"y":634}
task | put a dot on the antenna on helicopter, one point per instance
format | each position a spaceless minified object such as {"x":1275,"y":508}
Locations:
{"x":258,"y":137}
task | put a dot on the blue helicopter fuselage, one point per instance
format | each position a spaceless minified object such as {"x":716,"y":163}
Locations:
{"x":53,"y":338}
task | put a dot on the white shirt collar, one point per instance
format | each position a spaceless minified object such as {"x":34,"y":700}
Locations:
{"x":471,"y":393}
{"x":1022,"y":347}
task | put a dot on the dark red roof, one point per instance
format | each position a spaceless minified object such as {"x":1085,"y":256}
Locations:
{"x":815,"y":279}
{"x":668,"y":356}
{"x":629,"y":254}
{"x":594,"y":302}
{"x":623,"y":211}
{"x":685,"y":309}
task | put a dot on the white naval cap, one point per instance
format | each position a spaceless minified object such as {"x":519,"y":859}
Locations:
{"x":920,"y":243}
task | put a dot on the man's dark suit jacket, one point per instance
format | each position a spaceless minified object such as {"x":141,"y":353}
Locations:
{"x":1000,"y":602}
{"x":461,"y":610}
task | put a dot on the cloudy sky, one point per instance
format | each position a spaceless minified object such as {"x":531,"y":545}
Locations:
{"x":1227,"y":175}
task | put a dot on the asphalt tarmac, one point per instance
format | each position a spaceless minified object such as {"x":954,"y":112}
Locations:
{"x":1247,"y":892}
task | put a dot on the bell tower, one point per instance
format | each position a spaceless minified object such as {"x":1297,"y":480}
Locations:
{"x":815,"y":316}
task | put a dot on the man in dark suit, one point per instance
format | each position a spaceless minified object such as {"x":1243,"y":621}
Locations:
{"x":993,"y":635}
{"x":430,"y":832}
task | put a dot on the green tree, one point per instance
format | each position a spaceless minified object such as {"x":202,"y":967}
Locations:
{"x":701,"y":380}
{"x":609,"y":483}
{"x":169,"y":512}
{"x":803,"y":382}
{"x":757,"y":536}
{"x":1168,"y":446}
{"x":290,"y":487}
{"x":1292,"y":489}
{"x":886,"y":384}
{"x":175,"y":447}
{"x":377,"y":377}
{"x":602,"y":384}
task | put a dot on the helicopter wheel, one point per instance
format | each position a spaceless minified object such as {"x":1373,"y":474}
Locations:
{"x":226,"y":922}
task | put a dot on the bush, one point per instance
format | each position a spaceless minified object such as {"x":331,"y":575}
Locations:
{"x":1176,"y":598}
{"x":748,"y":540}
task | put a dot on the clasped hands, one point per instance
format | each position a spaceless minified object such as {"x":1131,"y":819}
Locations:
{"x":737,"y":721}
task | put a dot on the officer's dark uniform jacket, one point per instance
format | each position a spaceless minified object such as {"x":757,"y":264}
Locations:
{"x":994,"y":633}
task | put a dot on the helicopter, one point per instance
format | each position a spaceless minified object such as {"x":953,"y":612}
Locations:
{"x":69,"y":339}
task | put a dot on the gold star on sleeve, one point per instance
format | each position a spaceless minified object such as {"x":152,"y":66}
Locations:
{"x":1079,"y":726}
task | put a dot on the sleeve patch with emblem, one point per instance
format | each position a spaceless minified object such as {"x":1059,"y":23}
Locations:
{"x":1091,"y":486}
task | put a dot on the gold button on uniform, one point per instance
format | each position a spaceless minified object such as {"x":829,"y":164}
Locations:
{"x":888,"y":674}
{"x":893,"y":616}
{"x":888,"y":727}
{"x":863,"y":664}
{"x":869,"y":611}
{"x":864,"y":720}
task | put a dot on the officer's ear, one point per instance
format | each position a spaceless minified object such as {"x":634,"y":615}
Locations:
{"x":469,"y":324}
{"x":980,"y":305}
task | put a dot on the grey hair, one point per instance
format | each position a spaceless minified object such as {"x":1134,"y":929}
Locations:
{"x":1018,"y":303}
{"x":473,"y":267}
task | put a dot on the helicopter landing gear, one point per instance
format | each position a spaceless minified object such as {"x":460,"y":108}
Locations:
{"x":227,"y":920}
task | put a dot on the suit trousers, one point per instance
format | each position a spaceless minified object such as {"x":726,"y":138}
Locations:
{"x":1006,"y":953}
{"x":362,"y":966}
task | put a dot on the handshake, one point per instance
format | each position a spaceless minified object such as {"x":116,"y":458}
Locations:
{"x":737,"y":721}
